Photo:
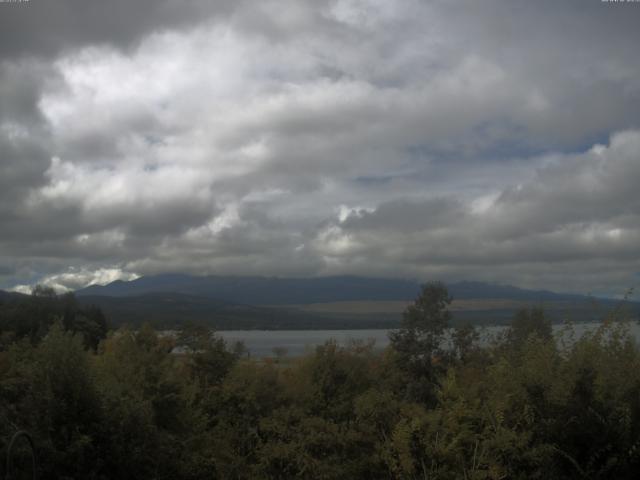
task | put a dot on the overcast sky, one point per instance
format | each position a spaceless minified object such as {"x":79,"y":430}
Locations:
{"x":458,"y":140}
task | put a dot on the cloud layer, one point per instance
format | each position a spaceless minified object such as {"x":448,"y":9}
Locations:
{"x":492,"y":141}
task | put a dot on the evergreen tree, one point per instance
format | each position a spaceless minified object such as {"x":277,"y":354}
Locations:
{"x":418,"y":341}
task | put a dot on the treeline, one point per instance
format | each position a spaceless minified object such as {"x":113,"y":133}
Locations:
{"x":130,"y":407}
{"x":31,"y":316}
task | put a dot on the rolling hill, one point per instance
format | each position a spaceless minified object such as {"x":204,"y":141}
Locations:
{"x":169,"y":310}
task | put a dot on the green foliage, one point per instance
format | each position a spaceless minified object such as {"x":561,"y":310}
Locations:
{"x":465,"y":340}
{"x":31,"y":317}
{"x":208,"y":360}
{"x":417,"y":342}
{"x":527,"y":322}
{"x":146,"y":405}
{"x":49,"y":390}
{"x":424,"y":322}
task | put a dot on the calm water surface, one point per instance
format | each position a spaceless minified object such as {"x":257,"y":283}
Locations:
{"x":261,"y":343}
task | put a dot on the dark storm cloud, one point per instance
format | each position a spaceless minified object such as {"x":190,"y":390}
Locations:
{"x":24,"y":137}
{"x":490,"y":140}
{"x":46,"y":27}
{"x":20,"y":89}
{"x":6,"y":270}
{"x":22,"y":164}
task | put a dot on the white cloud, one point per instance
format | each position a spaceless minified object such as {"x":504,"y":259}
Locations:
{"x":73,"y":279}
{"x":350,"y":136}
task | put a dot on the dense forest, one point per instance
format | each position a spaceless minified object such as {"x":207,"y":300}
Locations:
{"x":127,"y":404}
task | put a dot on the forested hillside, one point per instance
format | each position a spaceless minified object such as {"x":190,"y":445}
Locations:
{"x":130,"y":407}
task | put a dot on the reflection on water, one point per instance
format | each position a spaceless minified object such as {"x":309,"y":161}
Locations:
{"x":261,"y":343}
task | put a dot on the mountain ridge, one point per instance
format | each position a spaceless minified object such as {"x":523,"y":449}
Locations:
{"x":234,"y":302}
{"x":255,"y":290}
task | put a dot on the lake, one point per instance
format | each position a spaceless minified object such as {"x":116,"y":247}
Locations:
{"x":261,"y":343}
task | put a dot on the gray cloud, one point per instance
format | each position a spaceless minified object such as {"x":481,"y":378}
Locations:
{"x":24,"y":138}
{"x":577,"y":210}
{"x":404,"y":217}
{"x":425,"y":139}
{"x":45,"y":28}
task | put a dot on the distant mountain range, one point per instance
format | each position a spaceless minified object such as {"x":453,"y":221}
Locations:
{"x":296,"y":291}
{"x":227,"y":302}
